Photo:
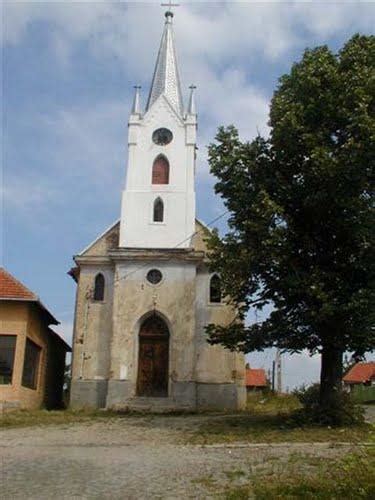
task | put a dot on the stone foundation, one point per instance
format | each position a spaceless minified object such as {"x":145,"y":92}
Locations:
{"x":220,"y":397}
{"x":88,"y":393}
{"x":119,"y":391}
{"x":120,"y":394}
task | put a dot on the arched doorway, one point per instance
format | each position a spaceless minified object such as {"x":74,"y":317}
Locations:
{"x":153,"y":358}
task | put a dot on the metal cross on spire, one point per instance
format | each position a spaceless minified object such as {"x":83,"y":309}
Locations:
{"x":169,"y":5}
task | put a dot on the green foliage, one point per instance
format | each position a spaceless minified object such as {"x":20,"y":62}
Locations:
{"x":344,"y":412}
{"x":301,"y":235}
{"x":301,"y":226}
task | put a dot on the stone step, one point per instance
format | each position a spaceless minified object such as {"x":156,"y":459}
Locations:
{"x":152,"y":404}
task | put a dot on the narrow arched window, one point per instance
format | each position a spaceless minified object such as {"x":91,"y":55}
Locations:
{"x":99,"y":287}
{"x":160,"y":170}
{"x":158,"y":210}
{"x":215,"y":289}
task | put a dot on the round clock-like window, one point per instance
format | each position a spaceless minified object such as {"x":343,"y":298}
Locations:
{"x":154,"y":276}
{"x":162,"y":136}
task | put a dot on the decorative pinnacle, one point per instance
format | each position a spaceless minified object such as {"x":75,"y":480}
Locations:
{"x":191,"y":105}
{"x":136,"y":108}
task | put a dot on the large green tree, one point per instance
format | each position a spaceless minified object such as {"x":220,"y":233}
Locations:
{"x":301,"y":214}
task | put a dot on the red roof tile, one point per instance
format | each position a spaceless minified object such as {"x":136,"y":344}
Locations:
{"x":10,"y":288}
{"x":359,"y":373}
{"x":255,"y":377}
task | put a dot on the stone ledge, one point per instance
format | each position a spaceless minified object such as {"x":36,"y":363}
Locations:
{"x":165,"y":254}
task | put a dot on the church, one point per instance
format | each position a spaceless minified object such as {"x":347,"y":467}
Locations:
{"x":144,"y":289}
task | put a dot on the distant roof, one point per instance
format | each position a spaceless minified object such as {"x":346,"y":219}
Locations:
{"x":12,"y":289}
{"x":360,"y":373}
{"x":256,"y":377}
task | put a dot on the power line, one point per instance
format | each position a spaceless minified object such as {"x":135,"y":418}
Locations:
{"x":173,"y":248}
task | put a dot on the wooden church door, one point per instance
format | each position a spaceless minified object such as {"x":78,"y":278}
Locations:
{"x":153,"y":358}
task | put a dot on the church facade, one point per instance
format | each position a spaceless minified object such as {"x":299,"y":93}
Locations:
{"x":144,"y":289}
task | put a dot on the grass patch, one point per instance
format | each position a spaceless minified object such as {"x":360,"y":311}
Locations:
{"x":301,"y":476}
{"x":269,"y":419}
{"x":351,"y":477}
{"x":32,"y":418}
{"x":272,"y":403}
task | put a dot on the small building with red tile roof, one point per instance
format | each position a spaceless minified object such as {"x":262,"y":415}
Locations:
{"x":361,"y":373}
{"x":32,"y":356}
{"x":256,"y":379}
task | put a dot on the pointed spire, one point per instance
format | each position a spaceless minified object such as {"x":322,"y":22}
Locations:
{"x":166,"y":79}
{"x":191,"y":106}
{"x":136,"y":108}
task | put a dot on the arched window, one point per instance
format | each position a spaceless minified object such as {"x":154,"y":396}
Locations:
{"x":158,"y":210}
{"x":215,"y":289}
{"x":99,"y":287}
{"x":160,"y":170}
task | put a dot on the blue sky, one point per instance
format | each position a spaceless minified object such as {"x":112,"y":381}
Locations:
{"x":68,"y":75}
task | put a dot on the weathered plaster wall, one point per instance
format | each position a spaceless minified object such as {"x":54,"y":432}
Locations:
{"x":93,"y":325}
{"x":106,"y":334}
{"x":219,"y":372}
{"x":134,"y":299}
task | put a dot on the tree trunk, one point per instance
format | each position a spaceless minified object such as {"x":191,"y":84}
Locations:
{"x":330,"y":376}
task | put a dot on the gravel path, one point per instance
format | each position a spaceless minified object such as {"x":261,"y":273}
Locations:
{"x":128,"y":458}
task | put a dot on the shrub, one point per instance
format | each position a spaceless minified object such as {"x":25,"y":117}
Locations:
{"x":344,"y":412}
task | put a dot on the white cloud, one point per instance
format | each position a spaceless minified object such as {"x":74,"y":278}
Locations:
{"x":329,"y":18}
{"x":81,"y":145}
{"x":28,"y":193}
{"x":217,"y":43}
{"x":209,"y":31}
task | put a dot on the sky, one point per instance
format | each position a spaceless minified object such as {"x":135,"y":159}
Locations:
{"x":68,"y":71}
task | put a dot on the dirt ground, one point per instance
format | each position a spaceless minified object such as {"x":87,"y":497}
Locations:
{"x":132,"y":458}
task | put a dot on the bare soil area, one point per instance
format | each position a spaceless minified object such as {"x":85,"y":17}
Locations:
{"x":140,"y":457}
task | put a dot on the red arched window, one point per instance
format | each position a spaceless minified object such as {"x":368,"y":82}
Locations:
{"x":160,"y":170}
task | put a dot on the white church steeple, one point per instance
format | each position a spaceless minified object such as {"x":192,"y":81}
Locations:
{"x":158,"y":202}
{"x":166,"y":79}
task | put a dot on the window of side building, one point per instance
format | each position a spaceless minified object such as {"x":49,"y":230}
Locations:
{"x":7,"y":352}
{"x":31,"y":365}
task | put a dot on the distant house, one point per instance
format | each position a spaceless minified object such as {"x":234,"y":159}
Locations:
{"x":256,"y":379}
{"x":360,"y":374}
{"x":32,"y":356}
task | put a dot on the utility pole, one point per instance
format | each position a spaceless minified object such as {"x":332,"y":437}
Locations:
{"x":273,"y":376}
{"x":278,"y":371}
